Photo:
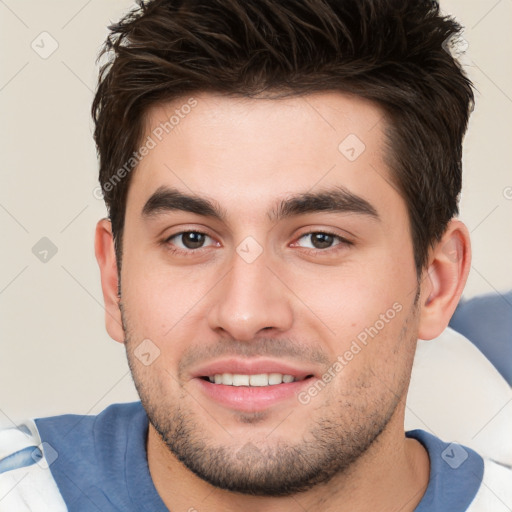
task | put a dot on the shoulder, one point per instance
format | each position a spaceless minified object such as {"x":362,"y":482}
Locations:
{"x":26,"y":482}
{"x":462,"y":480}
{"x":92,"y":454}
{"x":86,"y":442}
{"x":87,"y":435}
{"x":39,"y":457}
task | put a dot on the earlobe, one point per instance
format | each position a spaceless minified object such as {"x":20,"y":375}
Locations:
{"x":444,"y":280}
{"x":105,"y":255}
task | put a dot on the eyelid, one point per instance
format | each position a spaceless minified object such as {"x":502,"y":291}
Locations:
{"x":173,"y":248}
{"x":342,"y":235}
{"x":186,"y":228}
{"x":342,"y":241}
{"x":185,"y":231}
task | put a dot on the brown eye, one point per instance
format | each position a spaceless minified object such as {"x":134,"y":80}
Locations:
{"x":319,"y":240}
{"x":189,"y":240}
{"x":193,"y":240}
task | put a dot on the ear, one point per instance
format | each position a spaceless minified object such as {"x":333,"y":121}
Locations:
{"x":444,"y":279}
{"x":106,"y":257}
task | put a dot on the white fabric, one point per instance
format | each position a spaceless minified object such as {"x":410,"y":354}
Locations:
{"x":458,"y":395}
{"x":30,"y":488}
{"x":495,"y":493}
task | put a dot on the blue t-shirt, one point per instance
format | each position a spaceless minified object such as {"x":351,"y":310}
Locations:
{"x":102,"y":464}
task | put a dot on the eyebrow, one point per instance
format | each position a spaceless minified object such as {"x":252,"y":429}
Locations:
{"x":166,"y":199}
{"x":335,"y":200}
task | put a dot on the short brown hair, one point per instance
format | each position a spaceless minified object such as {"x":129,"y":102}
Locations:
{"x":389,"y":51}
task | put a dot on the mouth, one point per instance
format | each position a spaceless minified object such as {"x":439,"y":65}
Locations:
{"x":252,"y":385}
{"x":258,"y":380}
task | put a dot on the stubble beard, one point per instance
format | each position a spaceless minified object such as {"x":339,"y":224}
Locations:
{"x":332,"y":445}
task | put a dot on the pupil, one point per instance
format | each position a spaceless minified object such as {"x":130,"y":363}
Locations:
{"x":322,"y":240}
{"x":193,"y":240}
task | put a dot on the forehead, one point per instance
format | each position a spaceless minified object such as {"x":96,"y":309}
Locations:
{"x":246,"y":153}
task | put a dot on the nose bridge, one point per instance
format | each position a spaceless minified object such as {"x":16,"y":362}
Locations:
{"x":250,"y":280}
{"x":250,"y":298}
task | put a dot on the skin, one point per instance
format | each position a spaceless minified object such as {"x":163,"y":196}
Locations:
{"x":294,"y":302}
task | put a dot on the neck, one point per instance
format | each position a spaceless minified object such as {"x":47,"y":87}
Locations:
{"x":393,"y":474}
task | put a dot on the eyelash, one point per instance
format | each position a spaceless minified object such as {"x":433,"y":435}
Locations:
{"x":182,"y":252}
{"x":342,"y":242}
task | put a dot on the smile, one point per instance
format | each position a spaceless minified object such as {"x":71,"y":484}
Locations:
{"x":258,"y":380}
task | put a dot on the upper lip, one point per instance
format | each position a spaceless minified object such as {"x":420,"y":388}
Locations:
{"x":251,"y":367}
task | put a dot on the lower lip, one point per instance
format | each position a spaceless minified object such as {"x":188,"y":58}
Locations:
{"x":252,"y":399}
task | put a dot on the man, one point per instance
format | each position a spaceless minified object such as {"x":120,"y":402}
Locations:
{"x":282,"y":182}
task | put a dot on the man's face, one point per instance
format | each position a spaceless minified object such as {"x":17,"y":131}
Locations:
{"x":321,"y":288}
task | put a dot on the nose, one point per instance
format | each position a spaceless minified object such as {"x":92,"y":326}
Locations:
{"x":249,"y":300}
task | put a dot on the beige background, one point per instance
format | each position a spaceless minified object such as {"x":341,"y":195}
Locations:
{"x":55,"y":353}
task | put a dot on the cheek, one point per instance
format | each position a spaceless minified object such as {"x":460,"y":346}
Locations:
{"x":162,"y":300}
{"x":362,"y":308}
{"x":352,"y":296}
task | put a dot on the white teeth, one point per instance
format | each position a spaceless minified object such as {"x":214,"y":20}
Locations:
{"x":239,"y":380}
{"x":259,"y":380}
{"x":275,"y":378}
